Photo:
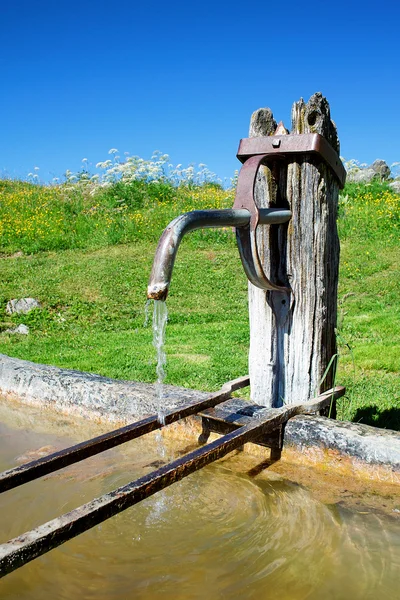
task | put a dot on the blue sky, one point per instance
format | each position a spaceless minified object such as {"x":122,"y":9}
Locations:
{"x":80,"y":78}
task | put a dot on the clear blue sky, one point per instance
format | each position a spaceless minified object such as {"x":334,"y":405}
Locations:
{"x":80,"y":78}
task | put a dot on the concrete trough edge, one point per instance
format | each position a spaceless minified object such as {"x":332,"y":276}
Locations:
{"x":370,"y":445}
{"x":97,"y":397}
{"x":89,"y":395}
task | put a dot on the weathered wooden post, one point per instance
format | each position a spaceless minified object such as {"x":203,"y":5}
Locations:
{"x":292,"y":335}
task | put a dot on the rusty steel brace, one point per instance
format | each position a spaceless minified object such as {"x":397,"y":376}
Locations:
{"x":246,"y":237}
{"x":254,"y":152}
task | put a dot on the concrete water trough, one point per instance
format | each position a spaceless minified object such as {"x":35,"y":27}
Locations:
{"x":353,"y":467}
{"x":352,"y":448}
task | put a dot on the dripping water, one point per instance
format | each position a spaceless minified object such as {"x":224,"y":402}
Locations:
{"x":160,"y":318}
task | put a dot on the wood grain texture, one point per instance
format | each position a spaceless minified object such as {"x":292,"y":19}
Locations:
{"x":292,"y":336}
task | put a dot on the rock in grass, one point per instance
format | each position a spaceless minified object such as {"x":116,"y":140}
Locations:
{"x":23,"y":305}
{"x":378,"y":170}
{"x":381,"y":168}
{"x":21,"y":330}
{"x":361,"y":175}
{"x":395,"y":186}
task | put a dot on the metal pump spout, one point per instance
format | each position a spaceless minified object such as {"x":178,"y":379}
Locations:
{"x":171,"y":237}
{"x":168,"y":245}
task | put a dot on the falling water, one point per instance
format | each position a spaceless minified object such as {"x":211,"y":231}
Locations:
{"x":160,"y":317}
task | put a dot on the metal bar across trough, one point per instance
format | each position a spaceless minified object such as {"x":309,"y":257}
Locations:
{"x":58,"y":460}
{"x":20,"y":550}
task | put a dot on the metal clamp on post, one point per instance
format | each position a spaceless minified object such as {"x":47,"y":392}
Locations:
{"x":254,"y":152}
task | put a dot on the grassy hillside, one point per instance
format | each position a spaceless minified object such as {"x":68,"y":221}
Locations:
{"x":85,"y":252}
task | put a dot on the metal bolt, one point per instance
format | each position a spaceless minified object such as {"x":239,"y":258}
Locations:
{"x":276,"y":143}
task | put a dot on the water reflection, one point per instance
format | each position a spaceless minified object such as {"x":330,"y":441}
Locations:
{"x":217,"y":534}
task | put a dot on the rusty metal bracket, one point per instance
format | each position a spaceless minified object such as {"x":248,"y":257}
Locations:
{"x":286,"y":146}
{"x":257,"y":151}
{"x":246,"y":236}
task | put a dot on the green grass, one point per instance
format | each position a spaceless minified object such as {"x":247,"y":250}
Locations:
{"x":93,"y":313}
{"x":369,"y":333}
{"x":93,"y":290}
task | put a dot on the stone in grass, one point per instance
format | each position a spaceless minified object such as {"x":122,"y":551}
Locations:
{"x":361,"y":175}
{"x":21,"y":330}
{"x":378,"y":170}
{"x":22,"y":305}
{"x":395,"y":186}
{"x":381,"y":168}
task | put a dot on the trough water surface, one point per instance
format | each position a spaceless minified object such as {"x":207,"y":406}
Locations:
{"x":220,"y":533}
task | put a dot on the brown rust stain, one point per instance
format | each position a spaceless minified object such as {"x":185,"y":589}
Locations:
{"x":342,"y":481}
{"x":328,"y":475}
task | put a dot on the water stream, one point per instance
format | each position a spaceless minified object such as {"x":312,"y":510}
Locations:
{"x":160,"y":318}
{"x":220,"y":534}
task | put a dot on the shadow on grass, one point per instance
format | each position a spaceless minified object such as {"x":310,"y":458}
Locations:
{"x":372,"y":415}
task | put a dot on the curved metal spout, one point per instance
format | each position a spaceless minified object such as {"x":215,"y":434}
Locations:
{"x":168,"y":245}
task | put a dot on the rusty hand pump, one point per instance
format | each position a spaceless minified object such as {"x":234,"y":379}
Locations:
{"x":245,"y":215}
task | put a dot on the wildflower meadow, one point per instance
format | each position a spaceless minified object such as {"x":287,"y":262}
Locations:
{"x":124,"y":202}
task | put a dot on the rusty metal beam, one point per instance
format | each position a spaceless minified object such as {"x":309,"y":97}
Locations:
{"x":21,"y":550}
{"x":278,"y":147}
{"x":58,"y":460}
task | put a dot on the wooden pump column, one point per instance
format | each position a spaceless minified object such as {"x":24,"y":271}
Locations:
{"x":292,"y":336}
